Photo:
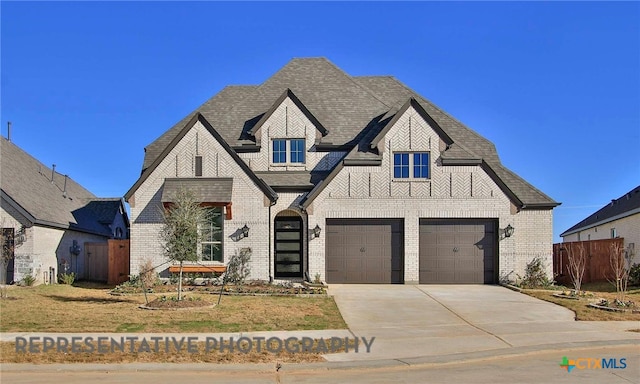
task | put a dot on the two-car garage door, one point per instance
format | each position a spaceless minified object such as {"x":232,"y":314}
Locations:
{"x":451,"y":251}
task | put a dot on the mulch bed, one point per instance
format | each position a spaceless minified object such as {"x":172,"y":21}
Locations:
{"x":249,"y":289}
{"x":171,"y":303}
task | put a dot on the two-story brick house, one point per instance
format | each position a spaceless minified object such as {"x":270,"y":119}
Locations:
{"x":354,"y":179}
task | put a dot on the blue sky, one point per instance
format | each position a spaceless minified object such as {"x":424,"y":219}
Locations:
{"x":556,"y":86}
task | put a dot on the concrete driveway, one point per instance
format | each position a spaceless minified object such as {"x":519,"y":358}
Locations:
{"x":412,"y":321}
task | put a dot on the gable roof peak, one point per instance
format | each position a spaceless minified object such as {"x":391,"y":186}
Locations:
{"x":288,"y":93}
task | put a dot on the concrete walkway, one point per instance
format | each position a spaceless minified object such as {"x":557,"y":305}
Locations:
{"x":422,"y":321}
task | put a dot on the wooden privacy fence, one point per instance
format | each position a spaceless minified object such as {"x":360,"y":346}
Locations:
{"x":118,"y":261}
{"x":598,"y":264}
{"x":107,"y":262}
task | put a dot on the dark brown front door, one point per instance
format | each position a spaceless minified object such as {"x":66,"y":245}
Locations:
{"x":364,"y":251}
{"x":288,"y":246}
{"x":457,"y":251}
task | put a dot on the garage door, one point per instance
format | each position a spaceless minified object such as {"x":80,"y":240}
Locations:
{"x":458,"y":251}
{"x":364,"y":251}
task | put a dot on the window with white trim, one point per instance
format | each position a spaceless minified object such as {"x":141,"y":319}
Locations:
{"x":411,"y":165}
{"x":288,"y":151}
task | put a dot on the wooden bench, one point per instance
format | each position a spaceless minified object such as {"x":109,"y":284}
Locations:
{"x":198,"y":269}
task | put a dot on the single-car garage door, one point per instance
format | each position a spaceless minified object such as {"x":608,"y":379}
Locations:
{"x":364,"y":251}
{"x":458,"y":251}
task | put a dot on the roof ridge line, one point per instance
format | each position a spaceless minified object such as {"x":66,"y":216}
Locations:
{"x":446,"y":114}
{"x":367,"y":89}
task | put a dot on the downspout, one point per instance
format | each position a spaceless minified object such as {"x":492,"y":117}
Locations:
{"x":305,"y":275}
{"x":271,"y":204}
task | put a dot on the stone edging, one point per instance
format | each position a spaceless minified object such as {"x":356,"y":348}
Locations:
{"x":565,"y":296}
{"x":610,"y":309}
{"x":143,"y":306}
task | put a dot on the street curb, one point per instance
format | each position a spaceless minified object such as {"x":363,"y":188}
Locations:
{"x":457,"y":358}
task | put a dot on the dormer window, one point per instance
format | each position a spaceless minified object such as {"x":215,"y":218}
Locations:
{"x":288,"y":151}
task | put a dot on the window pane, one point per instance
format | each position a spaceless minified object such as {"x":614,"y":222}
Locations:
{"x":290,"y":257}
{"x":297,"y":151}
{"x":211,"y":252}
{"x":211,"y":230}
{"x":287,"y":246}
{"x":287,"y":235}
{"x":293,"y":224}
{"x":421,"y":165}
{"x":401,"y":165}
{"x":279,"y":151}
{"x":287,"y":268}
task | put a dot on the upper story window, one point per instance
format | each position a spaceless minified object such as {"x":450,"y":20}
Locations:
{"x":408,"y":165}
{"x":290,"y":151}
{"x":297,"y":150}
{"x":279,"y":151}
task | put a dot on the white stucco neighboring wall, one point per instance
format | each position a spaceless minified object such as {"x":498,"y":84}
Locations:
{"x":44,"y":249}
{"x":627,"y":227}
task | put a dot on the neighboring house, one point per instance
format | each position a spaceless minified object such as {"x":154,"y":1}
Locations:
{"x":619,"y":218}
{"x":350,"y":179}
{"x":50,"y":217}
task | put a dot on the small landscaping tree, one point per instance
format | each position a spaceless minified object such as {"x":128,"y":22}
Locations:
{"x":620,"y":261}
{"x":182,"y":223}
{"x":577,"y":263}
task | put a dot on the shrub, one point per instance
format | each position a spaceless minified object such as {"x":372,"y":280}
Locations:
{"x":67,"y":278}
{"x":238,"y":268}
{"x":535,"y":275}
{"x":28,"y":280}
{"x":148,"y":275}
{"x":634,"y":274}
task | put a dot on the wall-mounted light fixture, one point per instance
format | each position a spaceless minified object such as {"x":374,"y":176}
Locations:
{"x":244,"y":232}
{"x":507,"y":232}
{"x":316,"y":231}
{"x":75,"y":248}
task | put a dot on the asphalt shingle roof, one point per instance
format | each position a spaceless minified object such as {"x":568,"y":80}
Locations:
{"x":290,"y":179}
{"x":27,"y":183}
{"x":206,"y":190}
{"x":629,"y":203}
{"x":353,"y":110}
